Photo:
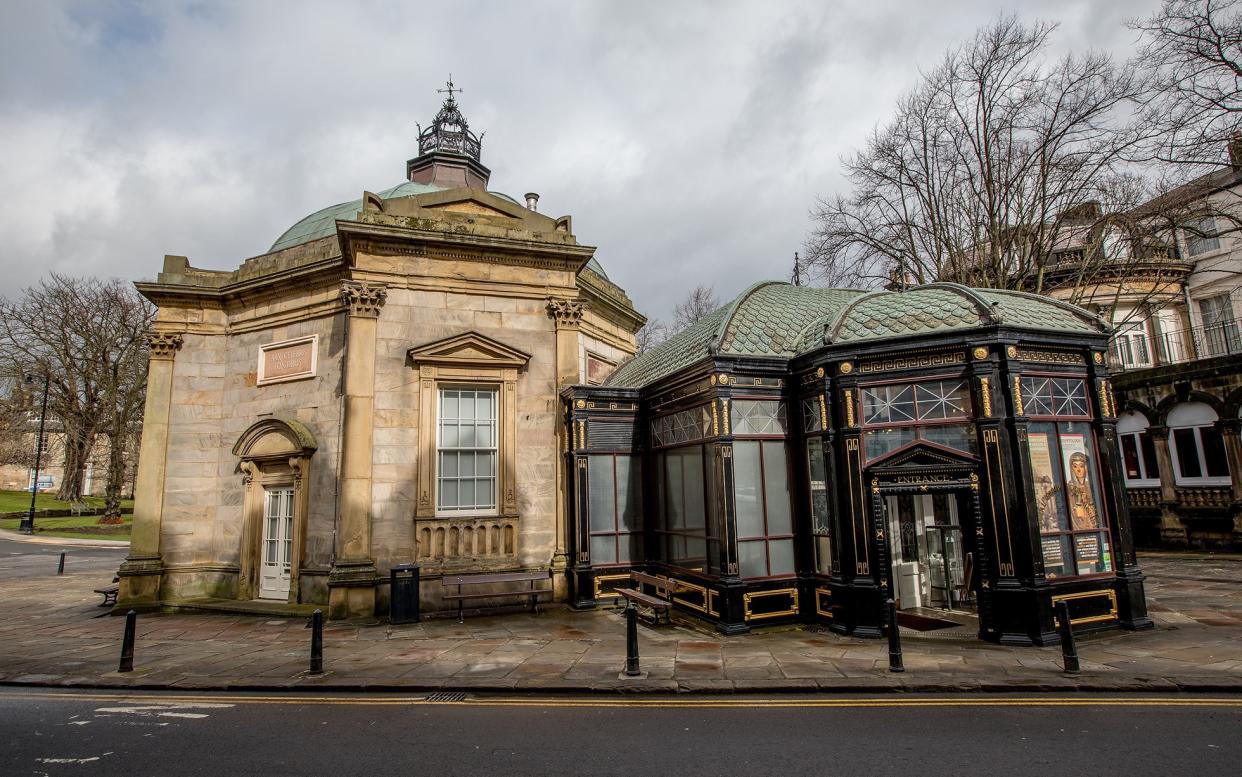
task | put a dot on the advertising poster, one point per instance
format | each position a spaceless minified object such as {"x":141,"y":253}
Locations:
{"x":1079,"y":495}
{"x":1047,"y":489}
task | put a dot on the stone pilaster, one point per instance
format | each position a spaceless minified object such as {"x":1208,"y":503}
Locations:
{"x":142,"y":569}
{"x":567,"y":316}
{"x":1172,"y":530}
{"x":351,"y":581}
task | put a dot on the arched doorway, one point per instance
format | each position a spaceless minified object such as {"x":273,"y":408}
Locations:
{"x":275,"y":464}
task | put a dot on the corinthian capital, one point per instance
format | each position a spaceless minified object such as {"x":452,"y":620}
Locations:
{"x":566,"y":312}
{"x":163,"y":345}
{"x":364,"y":299}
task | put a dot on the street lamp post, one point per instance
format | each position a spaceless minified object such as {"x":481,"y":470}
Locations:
{"x":27,"y":524}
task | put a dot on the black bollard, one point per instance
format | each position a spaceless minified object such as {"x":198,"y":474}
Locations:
{"x":894,"y":638}
{"x":1069,"y":651}
{"x":60,"y":569}
{"x":631,"y":640}
{"x":127,"y":643}
{"x":316,"y":662}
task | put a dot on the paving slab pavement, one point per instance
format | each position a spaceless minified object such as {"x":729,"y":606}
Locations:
{"x":55,"y":634}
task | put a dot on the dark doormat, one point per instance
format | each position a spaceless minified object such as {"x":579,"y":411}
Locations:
{"x":910,"y":620}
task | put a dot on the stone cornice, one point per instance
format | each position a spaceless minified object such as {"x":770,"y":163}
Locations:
{"x":356,"y":236}
{"x":171,"y":294}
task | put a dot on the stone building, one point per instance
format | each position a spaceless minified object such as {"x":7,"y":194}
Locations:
{"x":805,"y":454}
{"x":379,"y":387}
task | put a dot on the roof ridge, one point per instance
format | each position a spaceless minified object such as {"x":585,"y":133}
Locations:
{"x":835,"y":324}
{"x":985,"y":309}
{"x":713,"y":345}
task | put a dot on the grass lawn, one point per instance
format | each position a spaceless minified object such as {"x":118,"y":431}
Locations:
{"x":19,"y":501}
{"x":79,"y":527}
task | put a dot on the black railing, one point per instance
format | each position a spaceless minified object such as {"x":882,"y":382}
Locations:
{"x":1133,"y":351}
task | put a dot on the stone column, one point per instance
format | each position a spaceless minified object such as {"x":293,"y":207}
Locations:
{"x":567,"y":315}
{"x":351,"y":581}
{"x":1172,"y":530}
{"x":141,"y":571}
{"x":1230,"y":429}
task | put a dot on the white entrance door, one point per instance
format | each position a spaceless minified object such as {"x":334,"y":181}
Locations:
{"x":277,"y":543}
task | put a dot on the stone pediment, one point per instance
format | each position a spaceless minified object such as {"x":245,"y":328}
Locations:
{"x":922,"y":455}
{"x":468,"y":349}
{"x":473,"y":207}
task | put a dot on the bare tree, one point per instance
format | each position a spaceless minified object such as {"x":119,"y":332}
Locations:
{"x":1192,"y":53}
{"x":652,"y":334}
{"x":86,"y":336}
{"x":999,"y":166}
{"x":699,"y":301}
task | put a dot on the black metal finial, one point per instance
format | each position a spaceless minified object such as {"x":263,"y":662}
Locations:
{"x":450,"y":88}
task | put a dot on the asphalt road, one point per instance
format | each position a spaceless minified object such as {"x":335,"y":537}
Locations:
{"x":83,"y":733}
{"x":32,"y":559}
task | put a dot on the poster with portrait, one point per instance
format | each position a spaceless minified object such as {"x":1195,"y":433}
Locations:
{"x":1080,"y":496}
{"x":1047,"y":485}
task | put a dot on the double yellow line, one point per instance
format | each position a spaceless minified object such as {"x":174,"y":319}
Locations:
{"x":643,"y":702}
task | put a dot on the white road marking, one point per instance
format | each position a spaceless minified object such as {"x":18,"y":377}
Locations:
{"x":69,"y":760}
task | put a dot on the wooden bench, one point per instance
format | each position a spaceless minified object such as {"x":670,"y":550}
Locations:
{"x":469,"y":582}
{"x":660,"y":603}
{"x":78,"y":508}
{"x":110,"y":592}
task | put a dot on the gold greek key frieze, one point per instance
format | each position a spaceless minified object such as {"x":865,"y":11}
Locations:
{"x":906,"y":362}
{"x":862,"y":568}
{"x":985,"y":391}
{"x":1048,"y":357}
{"x":849,"y":408}
{"x":851,"y":444}
{"x":163,"y":345}
{"x":747,"y":598}
{"x":1017,"y":395}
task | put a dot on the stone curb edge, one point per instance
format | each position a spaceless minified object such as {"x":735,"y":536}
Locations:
{"x":656,"y":687}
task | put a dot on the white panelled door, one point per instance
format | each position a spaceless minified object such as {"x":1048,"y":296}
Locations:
{"x":277,"y":543}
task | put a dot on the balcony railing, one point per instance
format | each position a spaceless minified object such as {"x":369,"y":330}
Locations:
{"x":1136,"y":351}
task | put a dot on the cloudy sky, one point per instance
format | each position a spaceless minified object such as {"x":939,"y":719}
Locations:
{"x":687,"y":139}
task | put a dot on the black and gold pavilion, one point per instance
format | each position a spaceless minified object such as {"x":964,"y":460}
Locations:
{"x":805,"y":454}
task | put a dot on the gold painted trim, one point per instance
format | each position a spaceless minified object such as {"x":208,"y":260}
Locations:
{"x":792,"y":593}
{"x":684,"y":586}
{"x":846,"y":368}
{"x":724,"y":411}
{"x":600,"y":593}
{"x":981,"y":353}
{"x":849,"y":408}
{"x":712,"y":610}
{"x":1112,"y":606}
{"x":985,"y":389}
{"x":715,"y":421}
{"x":820,"y":610}
{"x":823,"y":413}
{"x":1017,"y":395}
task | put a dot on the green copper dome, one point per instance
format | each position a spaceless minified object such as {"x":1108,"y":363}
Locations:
{"x":322,"y":223}
{"x":780,"y":321}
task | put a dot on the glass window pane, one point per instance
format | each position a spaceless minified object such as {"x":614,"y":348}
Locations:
{"x":776,"y":488}
{"x":674,"y":490}
{"x":781,"y":553}
{"x":1046,"y":471}
{"x":692,"y":474}
{"x":1082,"y":485}
{"x":465,"y":493}
{"x":601,"y":495}
{"x":448,"y":494}
{"x":823,"y":555}
{"x":715,"y":502}
{"x":604,"y":549}
{"x":888,"y":404}
{"x":629,"y":494}
{"x":942,"y":399}
{"x":959,"y":436}
{"x":1090,"y":553}
{"x":630,"y":547}
{"x":1187,"y":453}
{"x":448,"y":404}
{"x":752,"y":559}
{"x":1130,"y":456}
{"x":879,"y":442}
{"x":747,"y":493}
{"x":1058,"y":556}
{"x":448,"y":436}
{"x":818,"y":470}
{"x":1150,"y":467}
{"x":1214,"y":453}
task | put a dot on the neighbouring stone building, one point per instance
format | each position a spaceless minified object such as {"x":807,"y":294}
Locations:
{"x":379,"y":387}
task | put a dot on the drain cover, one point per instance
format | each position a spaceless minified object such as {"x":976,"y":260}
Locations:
{"x":446,"y":696}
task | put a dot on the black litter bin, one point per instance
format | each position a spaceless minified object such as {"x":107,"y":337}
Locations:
{"x":403,"y":599}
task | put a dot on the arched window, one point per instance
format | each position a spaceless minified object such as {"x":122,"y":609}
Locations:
{"x":1138,"y":451}
{"x":1196,"y":445}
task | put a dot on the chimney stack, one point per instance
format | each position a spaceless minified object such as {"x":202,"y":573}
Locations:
{"x":532,"y":201}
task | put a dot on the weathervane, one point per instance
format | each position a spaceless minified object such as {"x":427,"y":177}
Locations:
{"x":450,"y":88}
